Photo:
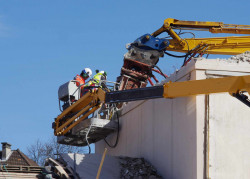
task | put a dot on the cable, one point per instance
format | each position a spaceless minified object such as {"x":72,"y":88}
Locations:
{"x":187,"y":45}
{"x":86,"y":138}
{"x":181,"y":33}
{"x":181,"y":56}
{"x":184,"y":61}
{"x":194,"y":51}
{"x":160,"y":71}
{"x":177,"y":56}
{"x":60,"y":106}
{"x":117,"y":136}
{"x":187,"y":33}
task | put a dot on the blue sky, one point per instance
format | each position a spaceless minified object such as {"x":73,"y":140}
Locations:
{"x":45,"y":43}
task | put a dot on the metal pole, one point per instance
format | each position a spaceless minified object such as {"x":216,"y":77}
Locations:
{"x":74,"y":165}
{"x":100,"y":167}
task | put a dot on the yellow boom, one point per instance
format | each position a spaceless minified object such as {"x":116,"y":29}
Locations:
{"x":222,"y":45}
{"x":232,"y":85}
{"x":93,"y":100}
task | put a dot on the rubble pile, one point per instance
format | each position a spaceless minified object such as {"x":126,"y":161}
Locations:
{"x":244,"y":57}
{"x":137,"y":168}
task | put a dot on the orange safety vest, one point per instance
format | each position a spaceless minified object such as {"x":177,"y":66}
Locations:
{"x":80,"y":81}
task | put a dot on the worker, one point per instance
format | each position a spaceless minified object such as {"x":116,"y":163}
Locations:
{"x":97,"y":78}
{"x":100,"y":75}
{"x":81,"y":79}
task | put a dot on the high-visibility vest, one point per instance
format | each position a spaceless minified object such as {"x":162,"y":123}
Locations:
{"x":97,"y":77}
{"x":95,"y":80}
{"x":80,"y":81}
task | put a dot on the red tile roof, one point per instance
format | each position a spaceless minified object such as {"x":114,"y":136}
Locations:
{"x":19,"y":158}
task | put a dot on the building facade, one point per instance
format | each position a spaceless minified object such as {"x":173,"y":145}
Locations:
{"x":203,"y":136}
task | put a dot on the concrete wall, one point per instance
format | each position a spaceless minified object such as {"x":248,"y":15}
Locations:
{"x":229,"y":141}
{"x":189,"y":137}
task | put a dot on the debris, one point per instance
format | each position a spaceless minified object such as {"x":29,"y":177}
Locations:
{"x":244,"y":57}
{"x":137,"y":168}
{"x":113,"y":167}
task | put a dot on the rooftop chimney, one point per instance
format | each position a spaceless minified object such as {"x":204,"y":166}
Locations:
{"x":6,"y":150}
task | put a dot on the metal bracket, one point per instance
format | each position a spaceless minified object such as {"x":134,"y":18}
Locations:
{"x":242,"y":97}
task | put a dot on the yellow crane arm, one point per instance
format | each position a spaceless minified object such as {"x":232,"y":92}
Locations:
{"x":220,"y":45}
{"x":223,"y":45}
{"x":231,"y":85}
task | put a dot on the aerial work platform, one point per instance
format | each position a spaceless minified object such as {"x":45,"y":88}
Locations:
{"x":94,"y":129}
{"x":101,"y":105}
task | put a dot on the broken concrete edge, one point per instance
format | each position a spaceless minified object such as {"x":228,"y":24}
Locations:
{"x":237,"y":62}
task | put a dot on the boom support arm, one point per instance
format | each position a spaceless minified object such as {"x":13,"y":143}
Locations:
{"x":91,"y":101}
{"x":80,"y":110}
{"x":231,"y":85}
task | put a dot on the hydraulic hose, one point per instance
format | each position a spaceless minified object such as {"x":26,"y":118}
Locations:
{"x":160,"y":71}
{"x":117,"y":136}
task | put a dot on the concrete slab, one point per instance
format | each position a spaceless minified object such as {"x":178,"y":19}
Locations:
{"x":87,"y":165}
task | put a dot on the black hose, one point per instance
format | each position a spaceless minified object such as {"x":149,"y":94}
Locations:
{"x":117,"y":136}
{"x":184,"y":61}
{"x":187,"y":33}
{"x":160,"y":71}
{"x":181,"y":56}
{"x":177,"y":56}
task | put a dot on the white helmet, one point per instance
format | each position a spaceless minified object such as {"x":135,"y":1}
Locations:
{"x":87,"y":72}
{"x":103,"y":72}
{"x":104,"y":75}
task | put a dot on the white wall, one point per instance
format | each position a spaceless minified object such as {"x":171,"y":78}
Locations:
{"x":229,"y":141}
{"x":163,"y":138}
